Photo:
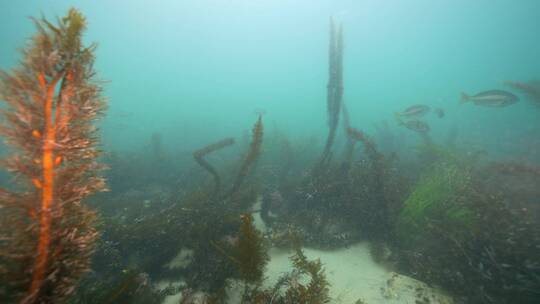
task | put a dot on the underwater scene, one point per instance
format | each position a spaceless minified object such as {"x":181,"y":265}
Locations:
{"x":270,"y":151}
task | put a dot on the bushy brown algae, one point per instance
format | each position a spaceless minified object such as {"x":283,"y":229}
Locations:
{"x":199,"y":222}
{"x":292,"y":287}
{"x":249,"y":160}
{"x":252,"y":253}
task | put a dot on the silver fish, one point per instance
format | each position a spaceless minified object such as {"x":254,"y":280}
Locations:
{"x":491,"y":98}
{"x":415,"y":125}
{"x":414,"y":111}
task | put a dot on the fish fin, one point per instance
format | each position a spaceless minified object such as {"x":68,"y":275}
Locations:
{"x":464,"y":98}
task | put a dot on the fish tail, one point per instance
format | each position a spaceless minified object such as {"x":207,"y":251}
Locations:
{"x":464,"y":98}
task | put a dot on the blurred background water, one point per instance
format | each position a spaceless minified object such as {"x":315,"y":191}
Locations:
{"x":196,"y":71}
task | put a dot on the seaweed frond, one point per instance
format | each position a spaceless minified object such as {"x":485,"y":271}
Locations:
{"x":201,"y":153}
{"x":369,"y":145}
{"x":317,"y":290}
{"x":52,"y":102}
{"x":252,"y":253}
{"x":306,"y":283}
{"x":251,"y":157}
{"x":351,"y":142}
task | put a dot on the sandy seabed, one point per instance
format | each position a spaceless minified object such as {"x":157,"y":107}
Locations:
{"x":354,"y":277}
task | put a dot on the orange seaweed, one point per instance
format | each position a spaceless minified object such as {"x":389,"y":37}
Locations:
{"x":47,"y":188}
{"x":52,"y":101}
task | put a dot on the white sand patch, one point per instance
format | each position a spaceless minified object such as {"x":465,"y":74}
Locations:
{"x":161,"y":285}
{"x":258,"y":222}
{"x":256,"y":213}
{"x":257,"y":205}
{"x":197,"y":298}
{"x":353,"y":275}
{"x":181,"y":260}
{"x":172,"y":299}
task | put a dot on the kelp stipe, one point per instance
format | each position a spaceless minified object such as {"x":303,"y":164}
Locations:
{"x":334,"y":88}
{"x":350,"y":142}
{"x":52,"y":100}
{"x":201,"y":153}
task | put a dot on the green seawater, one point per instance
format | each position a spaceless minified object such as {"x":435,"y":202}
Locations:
{"x":456,"y":206}
{"x":196,"y":71}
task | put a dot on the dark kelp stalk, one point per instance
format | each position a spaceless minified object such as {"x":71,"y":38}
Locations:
{"x":334,"y":88}
{"x":201,"y":153}
{"x":47,"y":235}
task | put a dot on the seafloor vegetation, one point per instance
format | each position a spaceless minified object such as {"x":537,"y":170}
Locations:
{"x":447,"y":216}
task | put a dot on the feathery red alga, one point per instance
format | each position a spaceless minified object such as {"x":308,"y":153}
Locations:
{"x":47,"y":234}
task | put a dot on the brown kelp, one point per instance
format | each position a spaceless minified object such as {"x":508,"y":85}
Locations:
{"x":306,"y":283}
{"x":316,"y":291}
{"x":247,"y":251}
{"x":201,"y":153}
{"x":250,"y":158}
{"x":252,"y":255}
{"x":52,"y":101}
{"x":343,"y":205}
{"x":370,"y":148}
{"x":206,"y":229}
{"x":334,"y":87}
{"x":378,"y":205}
{"x":350,"y":141}
{"x":353,"y":136}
